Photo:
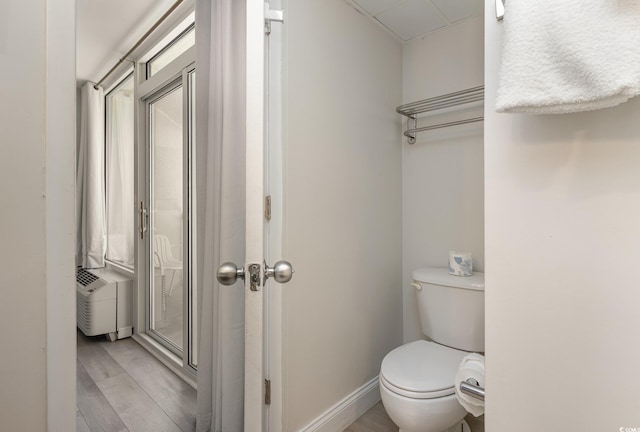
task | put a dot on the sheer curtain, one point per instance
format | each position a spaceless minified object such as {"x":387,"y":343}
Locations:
{"x":220,"y":59}
{"x":90,"y":212}
{"x":119,"y":153}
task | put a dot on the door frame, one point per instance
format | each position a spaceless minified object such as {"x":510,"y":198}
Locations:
{"x":264,"y":177}
{"x":254,"y":374}
{"x":60,"y":130}
{"x":274,"y":165}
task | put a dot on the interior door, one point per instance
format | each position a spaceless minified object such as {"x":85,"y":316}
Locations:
{"x":255,"y":271}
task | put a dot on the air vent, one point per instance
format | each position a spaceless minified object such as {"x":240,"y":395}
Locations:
{"x":85,"y":278}
{"x":84,"y":315}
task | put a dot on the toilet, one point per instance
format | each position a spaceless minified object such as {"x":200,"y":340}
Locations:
{"x":417,"y":379}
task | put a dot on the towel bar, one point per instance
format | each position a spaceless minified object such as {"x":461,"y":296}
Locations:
{"x":472,"y":388}
{"x":440,"y":103}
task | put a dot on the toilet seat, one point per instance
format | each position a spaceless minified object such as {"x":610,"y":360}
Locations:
{"x":421,"y":370}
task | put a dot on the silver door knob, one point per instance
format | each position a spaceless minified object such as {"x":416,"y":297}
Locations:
{"x":228,"y":273}
{"x":281,"y":272}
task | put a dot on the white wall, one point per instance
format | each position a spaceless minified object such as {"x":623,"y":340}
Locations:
{"x":22,"y":229}
{"x":342,"y":198}
{"x":36,"y":221}
{"x":443,"y":198}
{"x":562,"y":242}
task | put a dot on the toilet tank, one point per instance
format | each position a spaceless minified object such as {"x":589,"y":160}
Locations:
{"x":451,"y":308}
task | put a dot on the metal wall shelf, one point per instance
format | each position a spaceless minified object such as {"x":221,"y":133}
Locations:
{"x":439,"y":103}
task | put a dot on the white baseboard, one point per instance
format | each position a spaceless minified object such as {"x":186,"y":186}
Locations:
{"x":345,"y":412}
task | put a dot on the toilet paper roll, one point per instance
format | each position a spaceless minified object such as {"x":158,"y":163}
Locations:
{"x":472,"y":366}
{"x":460,"y":263}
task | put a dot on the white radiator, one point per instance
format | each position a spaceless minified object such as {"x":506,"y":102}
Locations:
{"x":104,"y":301}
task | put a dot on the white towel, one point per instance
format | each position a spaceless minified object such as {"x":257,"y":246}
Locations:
{"x":562,"y":56}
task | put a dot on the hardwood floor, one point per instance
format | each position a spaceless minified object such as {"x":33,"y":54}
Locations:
{"x":377,"y":420}
{"x":374,"y":420}
{"x":123,"y":388}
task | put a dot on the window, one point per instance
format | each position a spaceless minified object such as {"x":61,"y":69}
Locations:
{"x":119,"y":173}
{"x":179,"y":45}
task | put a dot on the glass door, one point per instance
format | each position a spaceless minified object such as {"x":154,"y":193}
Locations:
{"x":167,"y":218}
{"x":170,"y":292}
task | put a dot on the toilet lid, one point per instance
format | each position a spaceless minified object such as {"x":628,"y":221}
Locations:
{"x":421,"y":370}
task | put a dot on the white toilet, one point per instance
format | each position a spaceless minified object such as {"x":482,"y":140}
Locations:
{"x":417,"y":379}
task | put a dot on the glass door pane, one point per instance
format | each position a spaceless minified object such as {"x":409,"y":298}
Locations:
{"x":166,"y":291}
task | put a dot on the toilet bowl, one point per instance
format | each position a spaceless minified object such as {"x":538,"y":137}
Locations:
{"x":417,"y":379}
{"x":417,"y":387}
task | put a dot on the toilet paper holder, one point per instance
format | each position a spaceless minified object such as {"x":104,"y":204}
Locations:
{"x":472,"y":388}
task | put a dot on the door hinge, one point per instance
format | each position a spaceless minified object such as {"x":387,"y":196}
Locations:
{"x":271,"y":16}
{"x":267,"y":392}
{"x":267,"y":207}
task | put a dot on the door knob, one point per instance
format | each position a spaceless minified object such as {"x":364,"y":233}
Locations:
{"x":228,"y":273}
{"x":281,"y":272}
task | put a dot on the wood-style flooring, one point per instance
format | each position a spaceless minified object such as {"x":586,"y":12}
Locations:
{"x":377,"y":420}
{"x":123,"y":388}
{"x":374,"y":420}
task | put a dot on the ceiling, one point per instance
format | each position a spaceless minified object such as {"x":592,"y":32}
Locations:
{"x":107,"y":29}
{"x":411,"y":19}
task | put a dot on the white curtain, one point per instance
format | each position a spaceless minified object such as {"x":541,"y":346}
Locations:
{"x":90,"y":212}
{"x":220,"y":137}
{"x":119,"y":152}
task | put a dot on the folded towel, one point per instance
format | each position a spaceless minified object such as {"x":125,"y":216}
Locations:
{"x":569,"y":55}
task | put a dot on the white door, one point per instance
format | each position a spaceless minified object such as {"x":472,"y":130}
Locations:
{"x":255,"y":271}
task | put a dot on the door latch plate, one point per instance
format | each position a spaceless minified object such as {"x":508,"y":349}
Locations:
{"x":254,"y":277}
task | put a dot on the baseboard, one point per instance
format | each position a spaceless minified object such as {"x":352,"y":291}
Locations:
{"x":345,"y":412}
